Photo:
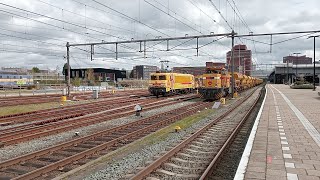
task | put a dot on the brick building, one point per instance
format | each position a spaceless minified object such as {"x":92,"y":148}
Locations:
{"x":242,"y":59}
{"x":190,"y":70}
{"x":215,"y":64}
{"x":297,"y":59}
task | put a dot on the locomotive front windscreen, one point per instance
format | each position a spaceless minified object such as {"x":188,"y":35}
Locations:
{"x":153,"y":77}
{"x":162,"y":77}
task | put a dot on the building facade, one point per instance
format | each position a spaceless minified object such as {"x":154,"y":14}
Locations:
{"x":190,"y":70}
{"x":242,"y":59}
{"x":288,"y":72}
{"x":215,"y":64}
{"x":297,"y":59}
{"x":100,"y":74}
{"x":12,"y":78}
{"x":143,"y":71}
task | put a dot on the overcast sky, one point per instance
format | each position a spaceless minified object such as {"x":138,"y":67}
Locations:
{"x":35,"y":32}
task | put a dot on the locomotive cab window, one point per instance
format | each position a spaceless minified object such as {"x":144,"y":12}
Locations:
{"x":162,"y":77}
{"x":213,"y":72}
{"x":154,"y":78}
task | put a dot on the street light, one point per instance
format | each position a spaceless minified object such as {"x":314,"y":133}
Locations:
{"x":297,"y":65}
{"x":314,"y":60}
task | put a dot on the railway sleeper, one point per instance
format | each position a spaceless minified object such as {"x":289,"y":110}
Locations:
{"x":5,"y":177}
{"x":54,"y":157}
{"x":194,"y":152}
{"x":16,"y":171}
{"x":188,"y":163}
{"x":76,"y":150}
{"x":87,"y":146}
{"x":204,"y":149}
{"x":100,"y":140}
{"x":169,"y":175}
{"x":199,"y":154}
{"x":33,"y":164}
{"x":193,"y":158}
{"x":65,"y":169}
{"x":205,"y":142}
{"x":212,"y":138}
{"x":181,"y":169}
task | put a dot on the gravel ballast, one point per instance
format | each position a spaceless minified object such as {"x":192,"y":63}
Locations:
{"x":41,"y":143}
{"x":117,"y":168}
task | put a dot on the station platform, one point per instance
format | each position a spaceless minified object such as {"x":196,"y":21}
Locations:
{"x":285,"y":139}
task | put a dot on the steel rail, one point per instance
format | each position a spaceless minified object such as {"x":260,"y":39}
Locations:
{"x":106,"y":97}
{"x":13,"y":101}
{"x":74,"y":142}
{"x":72,"y":112}
{"x":60,"y":114}
{"x":58,"y":127}
{"x":56,"y":121}
{"x":157,"y":163}
{"x":94,"y":150}
{"x":213,"y":163}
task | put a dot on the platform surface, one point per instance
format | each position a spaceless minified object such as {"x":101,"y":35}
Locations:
{"x":287,"y":140}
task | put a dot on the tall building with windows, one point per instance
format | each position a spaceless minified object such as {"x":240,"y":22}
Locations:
{"x":190,"y":70}
{"x":242,"y":59}
{"x":143,"y":71}
{"x":297,"y":59}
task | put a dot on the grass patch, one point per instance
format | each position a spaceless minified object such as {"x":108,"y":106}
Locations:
{"x":34,"y":107}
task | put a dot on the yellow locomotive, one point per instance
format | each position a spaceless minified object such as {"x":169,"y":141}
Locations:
{"x":217,"y":83}
{"x":171,"y":83}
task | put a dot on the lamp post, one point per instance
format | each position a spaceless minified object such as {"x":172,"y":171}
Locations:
{"x":314,"y":60}
{"x":297,"y":64}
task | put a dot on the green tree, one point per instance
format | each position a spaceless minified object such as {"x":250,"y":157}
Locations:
{"x":35,"y":70}
{"x":65,"y":68}
{"x":90,"y":76}
{"x":76,"y":81}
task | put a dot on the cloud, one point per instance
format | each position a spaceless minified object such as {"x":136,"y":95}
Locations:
{"x":28,"y":39}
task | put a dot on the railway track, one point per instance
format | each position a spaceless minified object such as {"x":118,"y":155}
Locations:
{"x":40,"y":129}
{"x":231,"y":156}
{"x":47,"y":163}
{"x":24,"y":100}
{"x":57,"y":114}
{"x":197,"y":155}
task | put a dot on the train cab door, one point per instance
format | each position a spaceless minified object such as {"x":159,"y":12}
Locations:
{"x":171,"y":82}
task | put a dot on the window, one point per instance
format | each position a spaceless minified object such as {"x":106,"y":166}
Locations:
{"x":20,"y":77}
{"x":153,"y":77}
{"x":8,"y":77}
{"x":0,"y":77}
{"x":162,"y":77}
{"x":14,"y":77}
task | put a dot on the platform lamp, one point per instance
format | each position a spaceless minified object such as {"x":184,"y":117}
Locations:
{"x":297,"y":64}
{"x":314,"y":60}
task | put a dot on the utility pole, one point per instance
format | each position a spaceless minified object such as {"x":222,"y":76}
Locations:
{"x":287,"y":71}
{"x":297,"y":65}
{"x":69,"y":73}
{"x":232,"y":65}
{"x":314,"y":61}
